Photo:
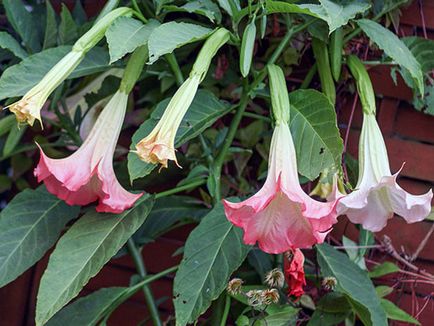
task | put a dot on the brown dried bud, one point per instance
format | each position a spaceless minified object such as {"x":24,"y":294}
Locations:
{"x":329,"y":283}
{"x":234,"y":286}
{"x":270,"y":296}
{"x":255,"y":298}
{"x":275,"y":278}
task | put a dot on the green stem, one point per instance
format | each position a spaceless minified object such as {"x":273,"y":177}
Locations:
{"x":138,"y":12}
{"x":309,"y":76}
{"x":218,"y":163}
{"x":256,"y":116}
{"x":180,"y":188}
{"x":226,"y":311}
{"x":140,"y":266}
{"x":173,"y":63}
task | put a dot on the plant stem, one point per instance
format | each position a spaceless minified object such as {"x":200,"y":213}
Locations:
{"x":173,"y":63}
{"x":140,"y":266}
{"x":256,"y":116}
{"x":180,"y":188}
{"x":218,"y":163}
{"x":309,"y":76}
{"x":138,"y":12}
{"x":226,"y":311}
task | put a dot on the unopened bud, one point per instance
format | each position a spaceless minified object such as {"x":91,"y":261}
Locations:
{"x":255,"y":298}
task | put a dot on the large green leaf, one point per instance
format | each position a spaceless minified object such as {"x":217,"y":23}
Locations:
{"x":422,"y":50}
{"x":213,"y":251}
{"x":395,"y":313}
{"x":82,"y":252}
{"x":9,"y":43}
{"x":316,"y":135}
{"x":394,"y":48}
{"x":172,"y":35}
{"x":89,"y":310}
{"x":354,"y":283}
{"x":18,"y":79}
{"x":337,"y":13}
{"x":205,"y":8}
{"x":68,"y":29}
{"x":50,"y":34}
{"x":126,"y":34}
{"x":205,"y":109}
{"x":29,"y":226}
{"x":166,"y":212}
{"x":24,"y":23}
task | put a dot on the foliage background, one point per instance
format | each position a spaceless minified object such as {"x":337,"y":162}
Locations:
{"x":407,"y":132}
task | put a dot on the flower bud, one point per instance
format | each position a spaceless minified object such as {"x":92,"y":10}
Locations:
{"x":270,"y":296}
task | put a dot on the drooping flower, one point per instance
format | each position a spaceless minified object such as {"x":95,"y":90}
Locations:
{"x":377,"y":195}
{"x":28,"y":109}
{"x":281,"y":215}
{"x":294,"y":272}
{"x":88,"y":175}
{"x":159,"y":145}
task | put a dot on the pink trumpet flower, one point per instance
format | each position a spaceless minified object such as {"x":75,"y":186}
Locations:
{"x":378,"y":196}
{"x":281,"y":215}
{"x":88,"y":175}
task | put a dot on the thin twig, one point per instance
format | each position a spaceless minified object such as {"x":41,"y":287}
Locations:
{"x":423,"y":243}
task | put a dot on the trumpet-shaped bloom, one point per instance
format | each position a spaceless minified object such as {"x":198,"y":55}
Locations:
{"x":159,"y":145}
{"x":28,"y":109}
{"x":378,"y":196}
{"x":88,"y":175}
{"x":281,"y":215}
{"x":294,"y":272}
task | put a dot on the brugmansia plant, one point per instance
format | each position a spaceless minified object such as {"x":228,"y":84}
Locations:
{"x":125,"y":149}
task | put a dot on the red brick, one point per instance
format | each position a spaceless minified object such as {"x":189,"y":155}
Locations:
{"x":413,"y":124}
{"x":384,"y":85}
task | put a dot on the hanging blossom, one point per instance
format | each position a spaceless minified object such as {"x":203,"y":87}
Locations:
{"x":28,"y":109}
{"x":159,"y":145}
{"x":377,"y":195}
{"x":294,"y":272}
{"x":281,"y":215}
{"x":88,"y":175}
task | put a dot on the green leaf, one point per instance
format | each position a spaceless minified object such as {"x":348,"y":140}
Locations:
{"x":353,"y":252}
{"x":213,"y":251}
{"x":316,"y":136}
{"x":395,"y":313}
{"x":82,"y":252}
{"x":7,"y":42}
{"x":383,"y":269}
{"x":205,"y":8}
{"x":29,"y":226}
{"x":68,"y":29}
{"x":285,"y":7}
{"x":24,"y":23}
{"x":126,"y":34}
{"x":88,"y":310}
{"x":205,"y":109}
{"x":166,"y":212}
{"x":18,"y":79}
{"x":14,"y":137}
{"x":172,"y":35}
{"x":232,"y":7}
{"x":50,"y":37}
{"x":383,"y":290}
{"x":279,"y":316}
{"x":394,"y":48}
{"x":7,"y":123}
{"x":337,"y":13}
{"x":354,"y":283}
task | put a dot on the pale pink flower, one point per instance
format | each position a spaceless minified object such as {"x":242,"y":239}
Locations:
{"x":281,"y":215}
{"x":88,"y":175}
{"x":377,"y":195}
